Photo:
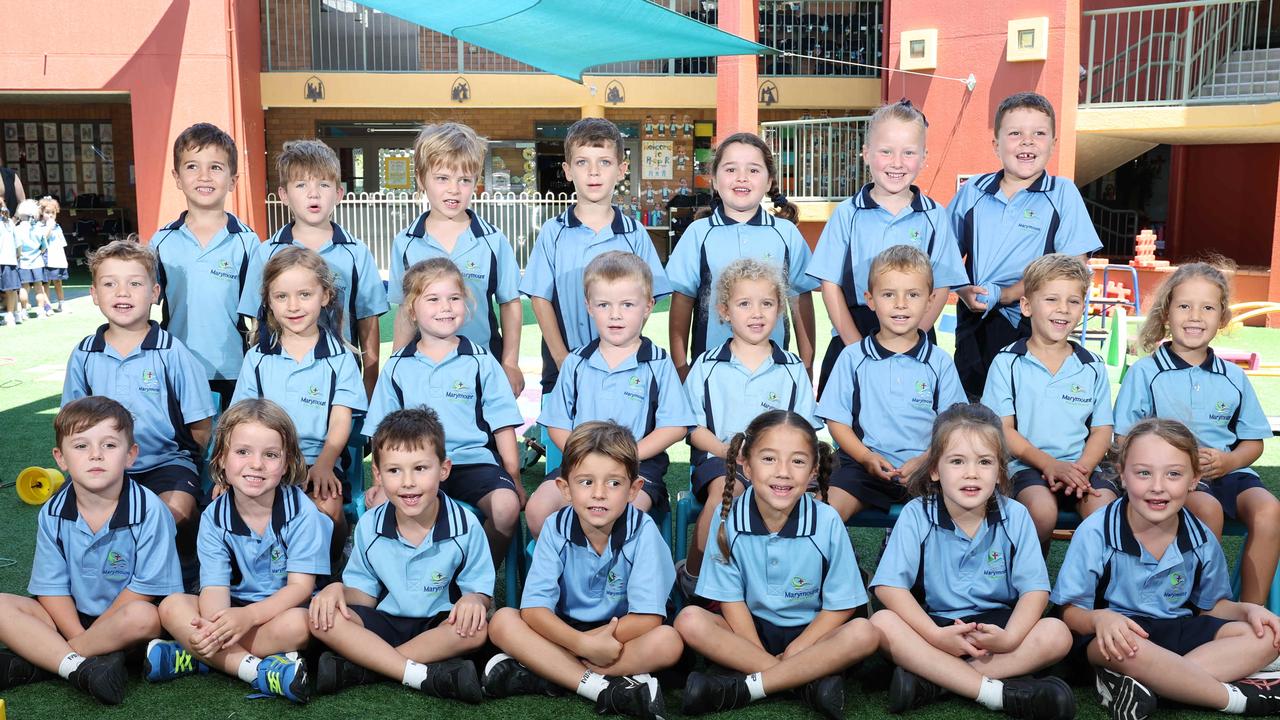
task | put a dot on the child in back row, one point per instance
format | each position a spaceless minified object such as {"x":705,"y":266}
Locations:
{"x":743,"y":173}
{"x":594,"y":161}
{"x":104,"y":555}
{"x":447,"y":159}
{"x":1054,"y":399}
{"x":749,"y":373}
{"x":310,"y":182}
{"x":31,"y":248}
{"x":262,"y":546}
{"x":888,"y":211}
{"x":887,"y":389}
{"x":1184,"y":380}
{"x":620,"y":376}
{"x":963,"y":585}
{"x":591,"y":617}
{"x":55,"y":254}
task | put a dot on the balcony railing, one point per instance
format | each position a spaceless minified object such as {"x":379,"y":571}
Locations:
{"x":818,"y":159}
{"x":346,"y":36}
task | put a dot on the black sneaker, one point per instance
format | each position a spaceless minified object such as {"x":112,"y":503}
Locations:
{"x":1261,"y":696}
{"x":1047,"y":698}
{"x":504,"y":676}
{"x":103,"y":677}
{"x":334,"y":672}
{"x":1126,"y":698}
{"x":826,"y":695}
{"x":15,"y":670}
{"x":908,"y":691}
{"x":711,"y":693}
{"x":453,"y":679}
{"x":629,"y":696}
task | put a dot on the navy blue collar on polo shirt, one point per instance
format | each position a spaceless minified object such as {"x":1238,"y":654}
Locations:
{"x":131,"y":507}
{"x":326,"y":345}
{"x":1042,"y":184}
{"x":619,"y":226}
{"x":802,"y":522}
{"x":647,"y":351}
{"x":283,"y":509}
{"x":233,"y":224}
{"x":479,"y":228}
{"x":1118,"y":534}
{"x":627,"y":525}
{"x":285,"y":235}
{"x":864,"y":201}
{"x":465,"y":347}
{"x":725,"y":353}
{"x":154,"y":340}
{"x":1020,"y":348}
{"x":936,"y":510}
{"x":1167,"y":359}
{"x":718,"y":218}
{"x":451,"y":520}
{"x":920,"y":351}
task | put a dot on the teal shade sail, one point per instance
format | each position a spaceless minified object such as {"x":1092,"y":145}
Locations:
{"x":564,"y":37}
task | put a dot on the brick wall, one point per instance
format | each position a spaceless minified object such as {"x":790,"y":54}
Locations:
{"x":286,"y":35}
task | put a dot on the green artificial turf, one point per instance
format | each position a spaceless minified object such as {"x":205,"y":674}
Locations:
{"x":32,"y":359}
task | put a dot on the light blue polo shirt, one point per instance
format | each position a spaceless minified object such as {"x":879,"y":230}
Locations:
{"x":1107,"y":568}
{"x":1053,"y":411}
{"x":160,"y":383}
{"x":1214,"y":399}
{"x":255,"y":566}
{"x":485,"y":259}
{"x":1000,"y":236}
{"x":360,"y":290}
{"x":197,"y":280}
{"x":468,"y":390}
{"x":134,"y":550}
{"x":891,"y":399}
{"x":424,"y":580}
{"x":568,"y":576}
{"x":954,"y":575}
{"x":329,"y":375}
{"x":30,"y":246}
{"x":8,"y":245}
{"x":711,"y":243}
{"x":860,"y":229}
{"x":787,"y":577}
{"x":560,"y":256}
{"x":641,"y":393}
{"x":726,"y":396}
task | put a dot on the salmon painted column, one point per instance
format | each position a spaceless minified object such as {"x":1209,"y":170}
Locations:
{"x":1273,"y":279}
{"x":736,"y":76}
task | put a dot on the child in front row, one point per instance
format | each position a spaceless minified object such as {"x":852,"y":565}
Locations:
{"x":1145,"y":587}
{"x":300,"y":361}
{"x":620,"y":376}
{"x":574,"y":630}
{"x":1054,"y":399}
{"x":745,"y":375}
{"x":784,"y":572}
{"x":886,"y":390}
{"x":964,"y":586}
{"x":104,"y":555}
{"x":414,"y":595}
{"x":1183,"y":380}
{"x":262,"y":545}
{"x":462,"y":382}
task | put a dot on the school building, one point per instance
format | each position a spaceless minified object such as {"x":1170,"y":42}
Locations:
{"x":1168,"y":114}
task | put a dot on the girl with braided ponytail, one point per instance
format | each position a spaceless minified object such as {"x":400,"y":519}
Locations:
{"x":784,"y":572}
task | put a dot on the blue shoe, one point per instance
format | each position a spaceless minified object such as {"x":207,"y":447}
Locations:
{"x":282,"y":677}
{"x":166,"y":660}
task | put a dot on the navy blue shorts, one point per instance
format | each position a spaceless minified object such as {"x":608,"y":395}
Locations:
{"x":168,"y":478}
{"x":707,"y":470}
{"x":51,"y":273}
{"x":9,"y":278}
{"x":87,"y":620}
{"x":472,"y":481}
{"x":1177,"y":635}
{"x":393,"y":629}
{"x":854,"y":479}
{"x":1228,"y":487}
{"x":1031,"y":477}
{"x":776,"y":638}
{"x":27,"y":277}
{"x":653,"y":471}
{"x":990,"y":617}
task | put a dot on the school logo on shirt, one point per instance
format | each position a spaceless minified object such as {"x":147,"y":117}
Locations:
{"x":224,"y":270}
{"x":633,"y":390}
{"x":435,"y":583}
{"x":771,"y":402}
{"x":995,"y":564}
{"x":278,"y":561}
{"x":117,"y":566}
{"x":150,"y":383}
{"x":800,"y":589}
{"x":312,"y":397}
{"x":615,"y":587}
{"x":460,"y":392}
{"x":1028,"y":215}
{"x":1178,"y":589}
{"x":1221,"y":414}
{"x":472,"y":270}
{"x":915,"y":234}
{"x":922,"y":397}
{"x":1075,"y":395}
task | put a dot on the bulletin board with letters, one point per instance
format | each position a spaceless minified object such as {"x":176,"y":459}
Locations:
{"x":63,"y":159}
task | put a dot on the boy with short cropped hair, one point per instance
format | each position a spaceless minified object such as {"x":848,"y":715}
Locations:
{"x":447,"y":159}
{"x":595,"y":162}
{"x":104,"y":555}
{"x":620,"y":376}
{"x":1004,"y":220}
{"x":132,"y":359}
{"x":203,"y":257}
{"x":414,"y":595}
{"x":310,"y":183}
{"x":886,"y":389}
{"x":1054,"y":399}
{"x":599,"y":639}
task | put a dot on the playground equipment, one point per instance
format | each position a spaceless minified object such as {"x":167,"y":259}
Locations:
{"x":1251,"y":362}
{"x":35,"y":485}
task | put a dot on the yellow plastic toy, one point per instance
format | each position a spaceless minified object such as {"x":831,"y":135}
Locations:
{"x":36,"y":484}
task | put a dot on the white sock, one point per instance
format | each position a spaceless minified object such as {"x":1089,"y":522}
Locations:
{"x":991,"y":694}
{"x":248,"y":670}
{"x":1235,"y":700}
{"x":592,"y":685}
{"x":69,"y":664}
{"x":415,"y":673}
{"x":755,"y":686}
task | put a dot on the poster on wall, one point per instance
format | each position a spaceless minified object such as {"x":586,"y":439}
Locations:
{"x":12,"y":151}
{"x":656,"y":163}
{"x":86,"y":133}
{"x":11,"y":131}
{"x":397,"y":171}
{"x":29,"y":131}
{"x":104,"y":132}
{"x":68,"y":131}
{"x":49,"y":131}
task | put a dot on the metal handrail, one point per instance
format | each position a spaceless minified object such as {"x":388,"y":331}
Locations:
{"x":818,"y":158}
{"x":1116,"y":227}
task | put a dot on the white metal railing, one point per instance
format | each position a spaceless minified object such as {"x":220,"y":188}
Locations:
{"x":376,"y":218}
{"x":1181,"y":53}
{"x":818,"y":159}
{"x":1116,"y":228}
